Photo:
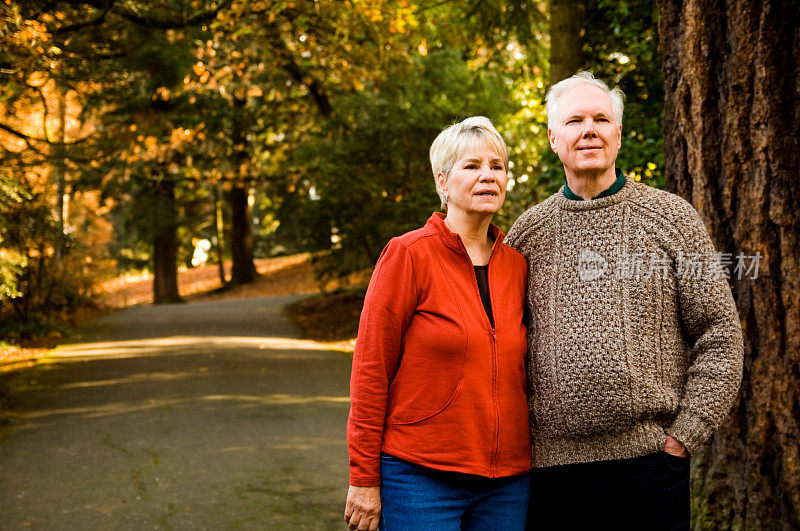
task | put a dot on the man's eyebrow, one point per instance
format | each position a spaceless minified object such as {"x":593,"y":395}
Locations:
{"x":580,"y":115}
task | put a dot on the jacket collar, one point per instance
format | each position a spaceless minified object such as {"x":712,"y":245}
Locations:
{"x":451,"y":239}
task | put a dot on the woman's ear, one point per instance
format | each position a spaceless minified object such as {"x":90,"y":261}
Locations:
{"x":441,"y":184}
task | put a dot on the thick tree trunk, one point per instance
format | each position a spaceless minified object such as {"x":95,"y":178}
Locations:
{"x":165,"y":244}
{"x":731,"y":127}
{"x":243,"y":269}
{"x":566,"y":41}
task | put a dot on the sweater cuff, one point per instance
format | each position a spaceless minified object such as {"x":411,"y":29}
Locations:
{"x":690,"y":432}
{"x":357,"y":480}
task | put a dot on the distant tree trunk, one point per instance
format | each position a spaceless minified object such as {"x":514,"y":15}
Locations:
{"x":243,"y":269}
{"x":165,"y":244}
{"x":219,"y":230}
{"x":731,"y":129}
{"x":59,"y":174}
{"x":566,"y":41}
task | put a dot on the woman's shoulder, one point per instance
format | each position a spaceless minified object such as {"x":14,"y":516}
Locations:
{"x":411,"y":237}
{"x":513,"y":256}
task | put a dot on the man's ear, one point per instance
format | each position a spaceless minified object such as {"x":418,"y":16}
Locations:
{"x":552,"y":137}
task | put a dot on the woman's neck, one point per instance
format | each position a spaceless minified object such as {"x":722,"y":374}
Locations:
{"x":474,"y":232}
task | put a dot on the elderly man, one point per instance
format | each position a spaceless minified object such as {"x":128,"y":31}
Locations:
{"x":634,"y":343}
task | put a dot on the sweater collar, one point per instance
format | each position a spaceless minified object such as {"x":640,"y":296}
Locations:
{"x":453,"y":240}
{"x":611,"y":190}
{"x":627,"y":189}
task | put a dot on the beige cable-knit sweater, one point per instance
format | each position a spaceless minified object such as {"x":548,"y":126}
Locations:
{"x":619,"y":356}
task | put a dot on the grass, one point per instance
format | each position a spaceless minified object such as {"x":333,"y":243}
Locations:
{"x":331,"y":317}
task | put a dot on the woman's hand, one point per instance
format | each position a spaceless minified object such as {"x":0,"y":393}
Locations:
{"x":363,"y":508}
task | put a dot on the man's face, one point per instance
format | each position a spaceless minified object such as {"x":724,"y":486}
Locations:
{"x":586,"y":136}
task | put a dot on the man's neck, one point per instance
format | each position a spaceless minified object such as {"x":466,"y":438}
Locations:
{"x":588,"y":186}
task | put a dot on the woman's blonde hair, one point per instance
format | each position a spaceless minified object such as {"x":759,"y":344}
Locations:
{"x":474,"y":132}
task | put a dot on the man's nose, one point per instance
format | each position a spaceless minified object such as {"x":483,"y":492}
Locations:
{"x":589,"y":129}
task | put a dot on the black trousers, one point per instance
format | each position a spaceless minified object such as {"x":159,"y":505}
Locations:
{"x":645,"y":493}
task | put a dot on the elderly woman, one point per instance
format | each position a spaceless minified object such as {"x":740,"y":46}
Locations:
{"x":438,"y":427}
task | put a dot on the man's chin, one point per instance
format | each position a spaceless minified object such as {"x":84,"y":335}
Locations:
{"x":592,"y":166}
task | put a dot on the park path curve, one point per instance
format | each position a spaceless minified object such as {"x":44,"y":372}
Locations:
{"x":211,"y":415}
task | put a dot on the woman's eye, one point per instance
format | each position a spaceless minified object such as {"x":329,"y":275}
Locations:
{"x":497,"y":167}
{"x":471,"y":166}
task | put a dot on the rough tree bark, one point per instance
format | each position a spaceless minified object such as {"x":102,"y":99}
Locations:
{"x":165,"y":244}
{"x":731,"y":129}
{"x":566,"y":38}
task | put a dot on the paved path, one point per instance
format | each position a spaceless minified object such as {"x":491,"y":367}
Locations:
{"x":198,"y":416}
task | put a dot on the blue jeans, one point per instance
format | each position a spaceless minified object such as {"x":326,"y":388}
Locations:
{"x":419,"y":498}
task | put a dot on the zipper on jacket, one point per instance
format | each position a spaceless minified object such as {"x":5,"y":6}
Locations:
{"x":496,"y":405}
{"x":493,"y":336}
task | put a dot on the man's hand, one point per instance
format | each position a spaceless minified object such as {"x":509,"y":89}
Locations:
{"x":674,"y":447}
{"x":363,"y":508}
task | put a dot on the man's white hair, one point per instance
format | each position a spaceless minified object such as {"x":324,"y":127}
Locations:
{"x":581,"y":78}
{"x":453,"y":141}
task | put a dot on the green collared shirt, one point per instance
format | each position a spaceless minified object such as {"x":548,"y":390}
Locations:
{"x":611,"y":190}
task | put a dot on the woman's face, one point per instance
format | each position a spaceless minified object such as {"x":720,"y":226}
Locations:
{"x":477,"y":182}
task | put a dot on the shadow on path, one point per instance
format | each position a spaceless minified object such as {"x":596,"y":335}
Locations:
{"x":202,"y":416}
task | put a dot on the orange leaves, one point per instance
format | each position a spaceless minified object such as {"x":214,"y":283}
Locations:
{"x":162,"y":93}
{"x":398,"y":17}
{"x":150,"y":142}
{"x":31,"y":34}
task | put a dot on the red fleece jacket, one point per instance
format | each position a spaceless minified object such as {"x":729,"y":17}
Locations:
{"x":432,"y":382}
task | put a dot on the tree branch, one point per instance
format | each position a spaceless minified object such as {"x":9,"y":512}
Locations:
{"x":293,"y":69}
{"x":154,"y":22}
{"x":80,"y":25}
{"x":19,"y":134}
{"x":29,"y":139}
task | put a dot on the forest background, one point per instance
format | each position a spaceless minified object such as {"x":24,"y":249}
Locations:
{"x":143,"y":135}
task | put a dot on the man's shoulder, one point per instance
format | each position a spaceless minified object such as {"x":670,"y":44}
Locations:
{"x":531,"y":220}
{"x":664,"y":205}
